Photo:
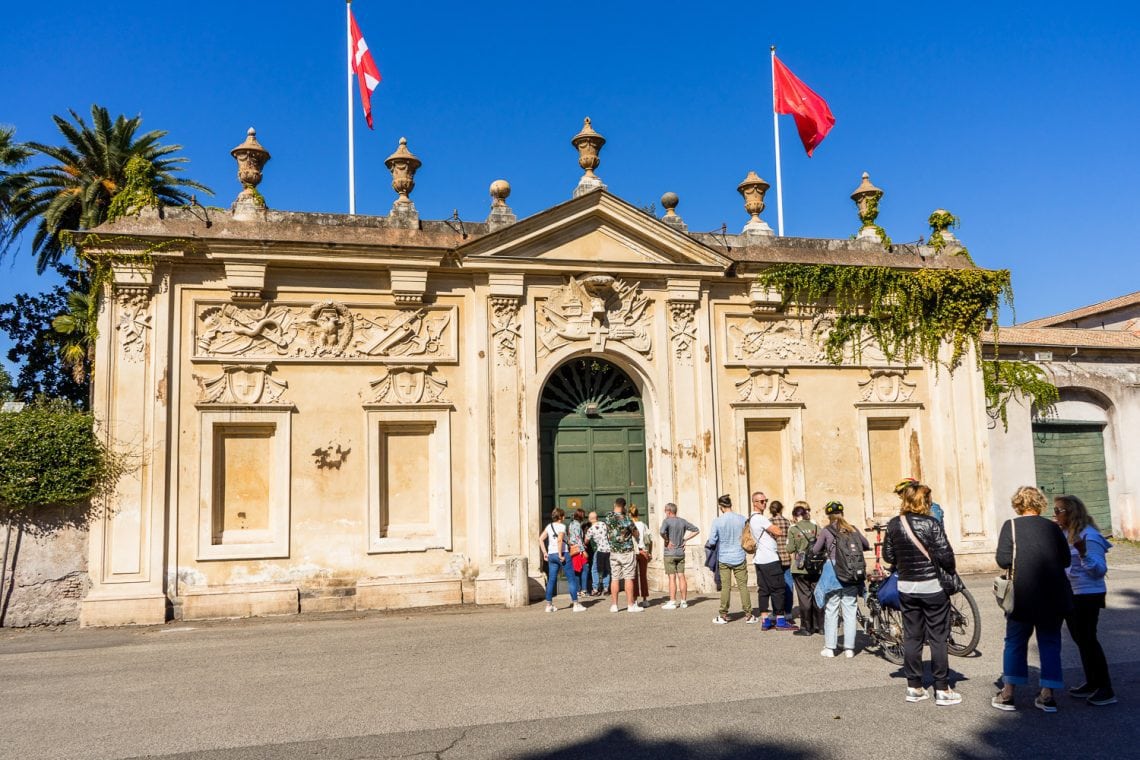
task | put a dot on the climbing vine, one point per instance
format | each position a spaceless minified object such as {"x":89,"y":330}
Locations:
{"x":1004,"y":379}
{"x":908,"y":313}
{"x":137,"y":192}
{"x":940,"y":221}
{"x":870,"y":215}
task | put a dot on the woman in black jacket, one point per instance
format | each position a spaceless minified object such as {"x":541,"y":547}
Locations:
{"x":917,"y":547}
{"x":1038,"y":553}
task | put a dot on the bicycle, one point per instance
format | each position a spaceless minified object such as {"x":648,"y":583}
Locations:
{"x":884,"y":625}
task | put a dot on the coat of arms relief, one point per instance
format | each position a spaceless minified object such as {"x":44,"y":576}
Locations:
{"x":325,"y":330}
{"x":595,"y":309}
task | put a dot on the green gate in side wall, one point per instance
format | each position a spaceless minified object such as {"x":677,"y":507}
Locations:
{"x":592,"y":434}
{"x":1069,"y":459}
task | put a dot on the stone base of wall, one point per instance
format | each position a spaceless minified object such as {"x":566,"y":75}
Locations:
{"x":145,"y":609}
{"x":47,"y":576}
{"x":400,"y":593}
{"x":208,"y":603}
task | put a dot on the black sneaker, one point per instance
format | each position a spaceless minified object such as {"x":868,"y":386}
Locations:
{"x":802,"y":632}
{"x":1102,"y":696}
{"x":1084,"y":691}
{"x":1003,"y":704}
{"x":1045,"y":705}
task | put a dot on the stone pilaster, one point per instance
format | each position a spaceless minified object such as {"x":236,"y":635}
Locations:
{"x":507,"y":391}
{"x":127,"y":541}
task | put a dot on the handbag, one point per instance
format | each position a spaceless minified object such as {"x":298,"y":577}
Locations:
{"x":1003,"y":584}
{"x":888,"y":592}
{"x":950,"y":582}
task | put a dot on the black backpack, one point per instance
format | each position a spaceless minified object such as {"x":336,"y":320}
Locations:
{"x":807,"y":560}
{"x":850,"y":564}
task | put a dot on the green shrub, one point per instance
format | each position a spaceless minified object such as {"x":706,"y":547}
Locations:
{"x":50,"y":456}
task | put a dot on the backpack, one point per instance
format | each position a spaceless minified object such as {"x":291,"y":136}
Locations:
{"x":747,"y":540}
{"x":807,"y":560}
{"x":850,"y":564}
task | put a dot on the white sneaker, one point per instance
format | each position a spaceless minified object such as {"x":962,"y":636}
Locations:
{"x":614,"y":608}
{"x":916,"y":695}
{"x":578,"y":607}
{"x":948,"y":697}
{"x":669,"y":605}
{"x":827,"y":653}
{"x":551,"y":608}
{"x":635,"y":608}
{"x":683,"y":605}
{"x":849,"y":653}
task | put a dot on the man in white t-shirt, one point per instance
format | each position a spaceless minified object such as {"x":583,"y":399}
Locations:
{"x":769,"y":571}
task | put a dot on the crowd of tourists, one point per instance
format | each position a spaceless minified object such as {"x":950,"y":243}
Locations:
{"x":1053,"y":573}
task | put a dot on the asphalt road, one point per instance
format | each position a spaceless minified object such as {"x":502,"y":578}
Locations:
{"x":496,"y":683}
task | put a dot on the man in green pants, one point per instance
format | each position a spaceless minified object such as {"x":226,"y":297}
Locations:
{"x":733,"y":562}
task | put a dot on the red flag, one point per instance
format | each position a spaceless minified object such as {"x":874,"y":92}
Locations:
{"x":813,"y":117}
{"x":367,"y":74}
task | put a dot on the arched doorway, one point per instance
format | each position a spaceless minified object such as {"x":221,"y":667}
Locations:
{"x":592,"y":438}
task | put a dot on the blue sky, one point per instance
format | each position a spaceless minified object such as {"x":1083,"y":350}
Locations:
{"x":1018,"y":117}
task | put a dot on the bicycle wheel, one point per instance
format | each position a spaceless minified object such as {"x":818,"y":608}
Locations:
{"x":965,"y":624}
{"x":890,"y":635}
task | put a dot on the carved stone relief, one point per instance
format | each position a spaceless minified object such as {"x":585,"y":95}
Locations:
{"x":683,"y":330}
{"x":407,"y":385}
{"x":767,"y":385}
{"x":241,"y":384}
{"x":328,"y":330}
{"x":788,"y":340}
{"x":134,"y":322}
{"x":887,"y":386}
{"x":506,"y":331}
{"x":596,"y":308}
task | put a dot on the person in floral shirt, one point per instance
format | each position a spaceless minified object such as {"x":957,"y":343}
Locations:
{"x":600,"y":565}
{"x":622,"y":534}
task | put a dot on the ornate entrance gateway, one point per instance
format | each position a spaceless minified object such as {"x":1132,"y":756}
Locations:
{"x":592,"y":433}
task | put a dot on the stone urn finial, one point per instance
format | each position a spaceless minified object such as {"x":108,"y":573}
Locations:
{"x":753,"y":189}
{"x":403,"y":165}
{"x":500,"y":191}
{"x":251,"y":158}
{"x":669,"y":202}
{"x":866,"y":198}
{"x":589,"y":145}
{"x":501,"y":214}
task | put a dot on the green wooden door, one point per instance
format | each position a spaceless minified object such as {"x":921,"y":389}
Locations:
{"x":1069,"y":459}
{"x":592,"y":433}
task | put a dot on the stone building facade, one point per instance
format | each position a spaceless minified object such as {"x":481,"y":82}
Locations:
{"x":339,"y":412}
{"x":1086,"y":445}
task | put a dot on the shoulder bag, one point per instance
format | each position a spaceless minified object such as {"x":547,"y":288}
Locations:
{"x":1003,"y":584}
{"x":950,"y":582}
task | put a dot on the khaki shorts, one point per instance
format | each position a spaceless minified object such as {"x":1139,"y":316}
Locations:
{"x":674,"y":565}
{"x":623,"y":566}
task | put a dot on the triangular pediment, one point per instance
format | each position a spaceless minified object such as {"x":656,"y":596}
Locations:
{"x":597,"y":228}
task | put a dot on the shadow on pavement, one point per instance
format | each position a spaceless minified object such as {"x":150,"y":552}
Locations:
{"x":620,"y":743}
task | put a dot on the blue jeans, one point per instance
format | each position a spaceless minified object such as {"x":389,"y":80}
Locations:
{"x":788,"y":591}
{"x":1015,"y":659}
{"x":554,"y":565}
{"x":602,"y":582}
{"x":844,"y":599}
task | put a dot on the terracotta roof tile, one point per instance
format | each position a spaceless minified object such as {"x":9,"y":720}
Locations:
{"x":1061,"y":337}
{"x":1112,"y":304}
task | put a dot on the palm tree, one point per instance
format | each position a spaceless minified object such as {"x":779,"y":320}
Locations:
{"x":75,"y":191}
{"x":77,"y":341}
{"x":12,"y":155}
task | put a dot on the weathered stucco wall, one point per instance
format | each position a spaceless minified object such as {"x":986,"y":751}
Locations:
{"x":47,"y":576}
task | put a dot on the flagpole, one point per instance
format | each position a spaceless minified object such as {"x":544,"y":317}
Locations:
{"x":776,"y":131}
{"x":351,"y":140}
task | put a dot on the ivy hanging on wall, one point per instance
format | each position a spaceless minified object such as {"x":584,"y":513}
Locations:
{"x":1003,"y":379}
{"x":909,"y":313}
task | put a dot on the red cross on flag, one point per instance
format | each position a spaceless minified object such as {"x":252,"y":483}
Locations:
{"x":813,"y":118}
{"x":367,"y":74}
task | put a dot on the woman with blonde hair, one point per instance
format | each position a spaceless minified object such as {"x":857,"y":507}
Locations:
{"x":838,"y":589}
{"x":916,"y":546}
{"x":1087,"y":568}
{"x":1034,"y":550}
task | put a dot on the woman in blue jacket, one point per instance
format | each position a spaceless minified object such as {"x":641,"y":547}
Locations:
{"x":1087,"y":548}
